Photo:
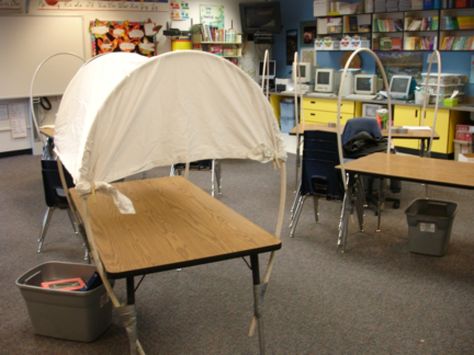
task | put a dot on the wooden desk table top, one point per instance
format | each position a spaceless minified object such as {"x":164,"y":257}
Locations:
{"x":412,"y":168}
{"x":176,"y":225}
{"x":47,"y":131}
{"x":411,"y":134}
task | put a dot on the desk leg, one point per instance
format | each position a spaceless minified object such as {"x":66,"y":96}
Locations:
{"x":130,"y":290}
{"x":258,"y":294}
{"x":345,"y":213}
{"x":128,"y":316}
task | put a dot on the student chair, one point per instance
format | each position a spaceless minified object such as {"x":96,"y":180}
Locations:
{"x":320,"y":178}
{"x":361,"y":137}
{"x":54,"y":194}
{"x":211,"y":165}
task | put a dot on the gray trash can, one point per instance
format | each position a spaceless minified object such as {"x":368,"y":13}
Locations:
{"x":71,"y":315}
{"x":429,"y":226}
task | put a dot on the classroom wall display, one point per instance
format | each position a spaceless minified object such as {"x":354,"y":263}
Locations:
{"x":402,"y":63}
{"x":179,"y":10}
{"x":291,"y":45}
{"x":139,"y":5}
{"x":212,"y":15}
{"x":15,"y":5}
{"x":124,"y":36}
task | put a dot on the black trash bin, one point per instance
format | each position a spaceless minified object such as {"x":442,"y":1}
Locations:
{"x":429,"y":226}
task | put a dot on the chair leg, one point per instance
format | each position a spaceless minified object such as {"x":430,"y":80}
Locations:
{"x":295,"y":202}
{"x":217,"y":171}
{"x":299,"y":208}
{"x":316,"y":208}
{"x":44,"y":228}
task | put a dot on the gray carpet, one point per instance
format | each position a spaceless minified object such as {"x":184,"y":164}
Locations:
{"x":377,"y":298}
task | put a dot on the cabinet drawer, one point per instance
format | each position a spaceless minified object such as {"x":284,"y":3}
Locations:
{"x":310,"y":103}
{"x":323,"y":117}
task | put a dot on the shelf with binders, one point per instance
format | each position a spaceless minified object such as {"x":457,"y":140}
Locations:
{"x":420,"y":41}
{"x":457,"y":41}
{"x":387,"y":41}
{"x":457,"y":30}
{"x":223,"y":49}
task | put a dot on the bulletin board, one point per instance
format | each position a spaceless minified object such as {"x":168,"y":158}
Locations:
{"x":26,"y":41}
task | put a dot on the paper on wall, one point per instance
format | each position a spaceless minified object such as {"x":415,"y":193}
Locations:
{"x":18,"y":114}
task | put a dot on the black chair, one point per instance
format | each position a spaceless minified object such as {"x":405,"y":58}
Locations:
{"x":211,"y":165}
{"x":54,"y":194}
{"x":319,"y":178}
{"x":361,"y":137}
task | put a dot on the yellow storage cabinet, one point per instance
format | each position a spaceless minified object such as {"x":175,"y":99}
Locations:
{"x":406,"y":116}
{"x":322,"y":111}
{"x":445,"y":126}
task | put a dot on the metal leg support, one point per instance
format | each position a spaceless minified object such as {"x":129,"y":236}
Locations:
{"x":299,"y":208}
{"x":316,"y":208}
{"x":258,"y":297}
{"x":44,"y":228}
{"x":345,"y":213}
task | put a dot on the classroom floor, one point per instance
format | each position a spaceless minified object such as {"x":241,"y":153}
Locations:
{"x":377,"y":298}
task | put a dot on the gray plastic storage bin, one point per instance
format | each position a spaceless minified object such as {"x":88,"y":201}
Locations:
{"x":287,"y":115}
{"x":429,"y":226}
{"x":72,"y":315}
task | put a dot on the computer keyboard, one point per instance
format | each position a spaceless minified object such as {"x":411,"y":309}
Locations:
{"x":360,"y":97}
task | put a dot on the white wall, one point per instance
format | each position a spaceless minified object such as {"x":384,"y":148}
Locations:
{"x":251,"y":53}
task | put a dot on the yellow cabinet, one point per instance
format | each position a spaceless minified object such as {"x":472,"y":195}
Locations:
{"x":406,"y":116}
{"x":445,"y":126}
{"x":321,"y":110}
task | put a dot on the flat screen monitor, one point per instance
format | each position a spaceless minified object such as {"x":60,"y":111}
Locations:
{"x":324,"y":80}
{"x":271,"y":70}
{"x":260,"y":17}
{"x":401,"y":87}
{"x":304,"y":72}
{"x":365,"y":84}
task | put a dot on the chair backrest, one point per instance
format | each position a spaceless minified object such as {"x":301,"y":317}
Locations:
{"x":54,"y":194}
{"x":362,"y":136}
{"x":320,"y":157}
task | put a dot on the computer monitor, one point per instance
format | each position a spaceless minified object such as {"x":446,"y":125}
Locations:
{"x":324,"y":80}
{"x":365,"y":84}
{"x":271,"y":70}
{"x":401,"y":87}
{"x":304,"y":72}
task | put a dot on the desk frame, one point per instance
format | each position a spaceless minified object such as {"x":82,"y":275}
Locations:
{"x":197,"y":240}
{"x":409,"y":168}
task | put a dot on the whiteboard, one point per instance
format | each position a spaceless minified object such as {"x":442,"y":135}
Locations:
{"x":25,"y":41}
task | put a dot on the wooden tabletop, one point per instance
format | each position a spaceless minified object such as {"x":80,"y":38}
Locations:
{"x":412,"y":168}
{"x":47,"y":131}
{"x":176,"y":225}
{"x":410,"y":134}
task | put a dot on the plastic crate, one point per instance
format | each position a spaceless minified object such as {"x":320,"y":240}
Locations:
{"x":287,"y":115}
{"x":429,"y":226}
{"x":72,"y":315}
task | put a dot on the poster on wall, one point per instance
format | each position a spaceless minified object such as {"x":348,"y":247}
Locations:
{"x":212,"y":15}
{"x":179,"y":10}
{"x":291,"y":45}
{"x":123,"y":36}
{"x":139,"y":5}
{"x":14,"y":5}
{"x":405,"y":63}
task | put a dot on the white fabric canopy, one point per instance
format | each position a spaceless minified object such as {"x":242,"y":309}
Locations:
{"x":124,"y":113}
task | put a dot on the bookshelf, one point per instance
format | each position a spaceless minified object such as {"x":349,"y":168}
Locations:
{"x":221,"y":42}
{"x":397,"y":26}
{"x":457,"y":29}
